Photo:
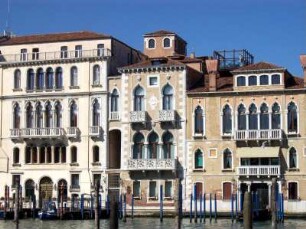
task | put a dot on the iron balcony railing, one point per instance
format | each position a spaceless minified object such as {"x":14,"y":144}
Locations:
{"x":114,"y":115}
{"x":269,"y":170}
{"x":275,"y":134}
{"x":94,"y":131}
{"x":37,"y":132}
{"x":152,"y":164}
{"x":138,"y":116}
{"x":15,"y":133}
{"x":72,"y":132}
{"x":167,"y":115}
{"x":42,"y":56}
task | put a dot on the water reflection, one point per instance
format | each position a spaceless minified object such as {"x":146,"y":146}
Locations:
{"x":141,"y":223}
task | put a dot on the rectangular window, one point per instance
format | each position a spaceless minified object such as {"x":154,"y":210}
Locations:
{"x":56,"y":155}
{"x":227,"y":190}
{"x":28,"y":155}
{"x":264,"y":80}
{"x":15,"y":180}
{"x":64,"y":52}
{"x":96,"y":178}
{"x":78,"y":51}
{"x":49,"y":154}
{"x":23,"y":54}
{"x":16,"y":156}
{"x":199,"y":189}
{"x":274,"y":161}
{"x":75,"y":181}
{"x":34,"y":155}
{"x":136,"y":189}
{"x":35,"y":54}
{"x":275,"y":79}
{"x":245,"y":161}
{"x":153,"y":81}
{"x":100,"y":49}
{"x":42,"y":158}
{"x":168,"y":189}
{"x":152,"y":190}
{"x":292,"y":191}
{"x":63,"y":154}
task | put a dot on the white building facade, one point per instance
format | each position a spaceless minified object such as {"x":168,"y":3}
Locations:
{"x":54,"y":111}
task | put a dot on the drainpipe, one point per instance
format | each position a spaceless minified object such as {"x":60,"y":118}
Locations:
{"x":88,"y":148}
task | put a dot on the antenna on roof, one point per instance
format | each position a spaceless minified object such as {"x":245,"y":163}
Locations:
{"x":7,"y":31}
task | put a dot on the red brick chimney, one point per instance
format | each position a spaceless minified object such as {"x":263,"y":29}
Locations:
{"x":212,"y":70}
{"x":303,"y":63}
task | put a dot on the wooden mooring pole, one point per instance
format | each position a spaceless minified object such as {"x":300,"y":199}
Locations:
{"x":97,"y":205}
{"x":273,"y":203}
{"x":16,"y":209}
{"x":6,"y":200}
{"x":124,"y":209}
{"x":247,"y":211}
{"x":177,"y":204}
{"x":113,"y":219}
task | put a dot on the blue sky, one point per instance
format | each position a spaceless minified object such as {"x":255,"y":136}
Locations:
{"x":272,"y":30}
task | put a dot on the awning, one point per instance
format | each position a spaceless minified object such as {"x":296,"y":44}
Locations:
{"x":255,"y":152}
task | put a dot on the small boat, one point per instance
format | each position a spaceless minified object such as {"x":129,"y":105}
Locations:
{"x":49,"y":212}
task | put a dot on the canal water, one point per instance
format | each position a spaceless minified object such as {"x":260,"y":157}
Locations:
{"x":143,"y":223}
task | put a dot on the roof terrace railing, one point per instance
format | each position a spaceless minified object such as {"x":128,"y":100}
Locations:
{"x":232,"y":59}
{"x":42,"y":56}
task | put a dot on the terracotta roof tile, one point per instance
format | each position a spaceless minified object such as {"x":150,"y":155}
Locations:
{"x":160,"y":32}
{"x":150,"y":63}
{"x":55,"y":37}
{"x":258,"y":66}
{"x":294,"y":82}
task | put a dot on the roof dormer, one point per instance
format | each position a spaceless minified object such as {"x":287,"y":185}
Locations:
{"x":163,"y":43}
{"x":259,"y":76}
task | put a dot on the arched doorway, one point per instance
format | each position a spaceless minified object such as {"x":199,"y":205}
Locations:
{"x":29,"y":189}
{"x":114,"y":157}
{"x":62,"y":190}
{"x":45,"y":190}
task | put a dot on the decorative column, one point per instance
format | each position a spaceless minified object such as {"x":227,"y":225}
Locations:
{"x":249,"y":186}
{"x":269,"y":194}
{"x":38,"y":154}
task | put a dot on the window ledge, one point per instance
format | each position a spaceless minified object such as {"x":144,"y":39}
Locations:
{"x":17,"y":89}
{"x":49,"y":89}
{"x":294,"y":200}
{"x":226,"y":135}
{"x":137,"y":198}
{"x":168,"y":198}
{"x":153,"y":198}
{"x":74,"y":87}
{"x":16,"y":165}
{"x":292,"y":133}
{"x":29,"y":91}
{"x":198,"y":135}
{"x":228,"y":170}
{"x":294,"y":169}
{"x":96,"y":163}
{"x":74,"y":164}
{"x":199,"y":170}
{"x":59,"y":89}
{"x":96,"y":85}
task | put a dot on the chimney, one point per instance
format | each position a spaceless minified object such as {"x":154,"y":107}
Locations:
{"x":303,"y":63}
{"x":212,"y":70}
